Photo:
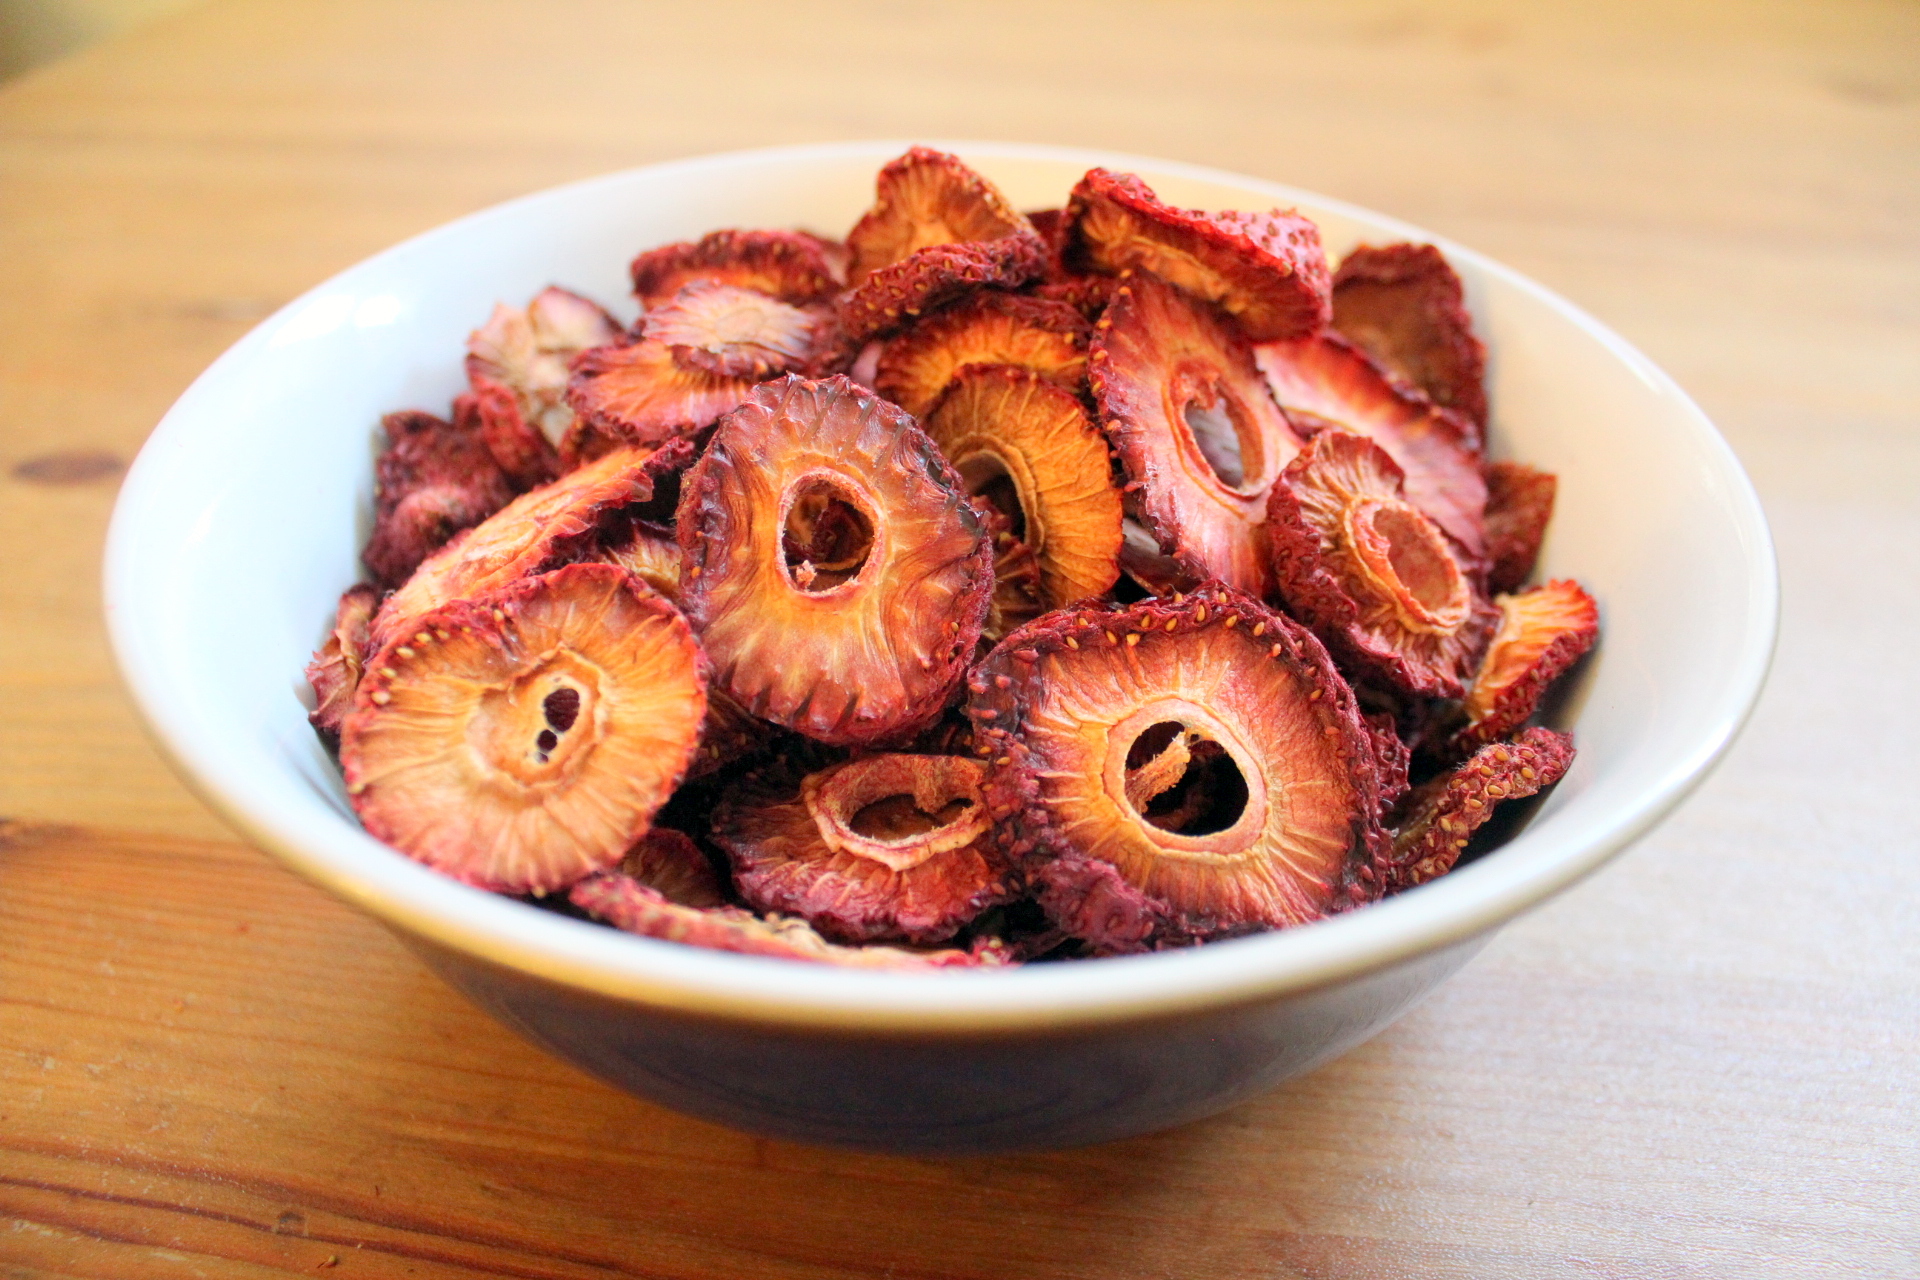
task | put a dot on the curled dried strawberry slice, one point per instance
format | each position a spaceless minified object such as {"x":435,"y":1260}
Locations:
{"x":1199,"y":436}
{"x":740,"y":333}
{"x":524,"y":738}
{"x":1326,"y":382}
{"x":1393,"y":756}
{"x":492,"y":412}
{"x":1266,"y":270}
{"x":671,"y":864}
{"x":527,"y":352}
{"x":834,"y":567}
{"x":1542,"y":633}
{"x":989,"y":328}
{"x":1026,"y":447}
{"x":1403,"y":305}
{"x":434,"y":479}
{"x":1370,"y":573}
{"x":895,"y":295}
{"x":926,"y":198}
{"x":793,"y":266}
{"x":1443,"y":814}
{"x":635,"y":392}
{"x":1519,"y":507}
{"x":334,"y":672}
{"x":884,"y":848}
{"x":540,"y":530}
{"x":1174,"y":772}
{"x":627,"y":904}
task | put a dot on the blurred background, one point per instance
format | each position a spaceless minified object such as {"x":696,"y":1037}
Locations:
{"x":37,"y":31}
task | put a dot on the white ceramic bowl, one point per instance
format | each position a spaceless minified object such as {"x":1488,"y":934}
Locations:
{"x":242,"y":519}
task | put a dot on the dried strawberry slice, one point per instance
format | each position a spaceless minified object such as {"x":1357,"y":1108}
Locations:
{"x":1370,"y":573}
{"x":434,"y":479}
{"x":671,"y":864}
{"x":536,"y":531}
{"x":1403,"y":305}
{"x":528,"y":353}
{"x":529,"y":350}
{"x":635,"y":392}
{"x":884,"y":848}
{"x":1267,"y":270}
{"x":1026,"y":447}
{"x":1519,"y":507}
{"x":834,"y":567}
{"x":1194,"y":427}
{"x":1542,"y":633}
{"x":492,"y":411}
{"x":627,"y":904}
{"x":927,"y":198}
{"x":740,"y":333}
{"x":524,"y":739}
{"x":1443,"y":814}
{"x":334,"y":672}
{"x":1327,"y":382}
{"x":1180,"y":771}
{"x":793,"y":266}
{"x":989,"y":328}
{"x":895,"y":295}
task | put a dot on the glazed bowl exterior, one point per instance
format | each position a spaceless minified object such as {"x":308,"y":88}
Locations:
{"x":241,"y":522}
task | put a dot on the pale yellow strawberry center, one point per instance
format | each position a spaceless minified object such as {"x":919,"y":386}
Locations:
{"x":898,"y":810}
{"x":540,"y":726}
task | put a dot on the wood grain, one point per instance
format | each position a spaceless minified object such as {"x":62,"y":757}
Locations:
{"x":1701,"y":1063}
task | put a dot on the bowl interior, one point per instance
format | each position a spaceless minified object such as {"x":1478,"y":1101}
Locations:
{"x":243,"y":517}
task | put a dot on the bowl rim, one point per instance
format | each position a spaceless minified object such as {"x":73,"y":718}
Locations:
{"x":669,"y":976}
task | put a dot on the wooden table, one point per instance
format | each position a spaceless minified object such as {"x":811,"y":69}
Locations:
{"x":1701,"y":1063}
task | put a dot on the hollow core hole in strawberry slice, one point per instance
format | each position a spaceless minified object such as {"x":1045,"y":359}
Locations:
{"x":526,"y":730}
{"x":900,"y":817}
{"x":827,"y":535}
{"x":1182,"y":781}
{"x":561,"y":708}
{"x":1223,"y":430}
{"x":986,"y":477}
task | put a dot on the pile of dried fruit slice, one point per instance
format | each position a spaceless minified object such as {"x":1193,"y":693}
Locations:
{"x":988,"y":588}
